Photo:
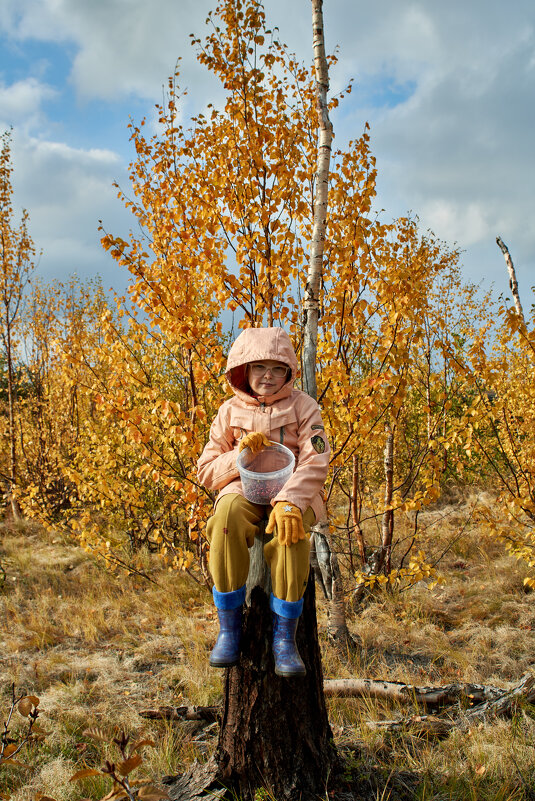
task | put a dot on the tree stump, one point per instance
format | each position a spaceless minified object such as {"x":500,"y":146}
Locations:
{"x":274,"y":731}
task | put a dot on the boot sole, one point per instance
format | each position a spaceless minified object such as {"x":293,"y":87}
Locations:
{"x":289,"y":674}
{"x":223,"y":664}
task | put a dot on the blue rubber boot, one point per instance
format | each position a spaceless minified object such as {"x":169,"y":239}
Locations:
{"x":226,"y":651}
{"x":285,"y":618}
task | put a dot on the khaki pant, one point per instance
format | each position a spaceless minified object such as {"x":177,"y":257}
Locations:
{"x":231,"y":532}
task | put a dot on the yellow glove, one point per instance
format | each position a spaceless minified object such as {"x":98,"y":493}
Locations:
{"x":289,"y":522}
{"x":255,"y":441}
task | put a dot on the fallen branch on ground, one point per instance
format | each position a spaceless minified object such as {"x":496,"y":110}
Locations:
{"x":398,"y":691}
{"x":503,"y":706}
{"x":483,"y":701}
{"x":207,"y":713}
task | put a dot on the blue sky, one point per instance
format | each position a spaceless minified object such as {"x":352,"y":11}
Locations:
{"x":448,"y":90}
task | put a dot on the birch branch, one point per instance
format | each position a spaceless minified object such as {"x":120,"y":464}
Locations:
{"x":403,"y":693}
{"x":513,"y":283}
{"x":503,"y":706}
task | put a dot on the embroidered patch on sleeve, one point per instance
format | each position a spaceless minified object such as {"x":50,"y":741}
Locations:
{"x":318,"y":443}
{"x":321,"y":428}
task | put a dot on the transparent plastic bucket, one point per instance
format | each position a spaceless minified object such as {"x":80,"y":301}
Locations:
{"x":265,"y":473}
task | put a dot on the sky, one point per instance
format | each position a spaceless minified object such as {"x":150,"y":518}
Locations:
{"x":447,"y":88}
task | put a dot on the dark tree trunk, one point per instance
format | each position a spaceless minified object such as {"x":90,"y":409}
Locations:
{"x":274,"y":731}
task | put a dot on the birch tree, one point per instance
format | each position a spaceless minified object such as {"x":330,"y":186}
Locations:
{"x":16,"y":265}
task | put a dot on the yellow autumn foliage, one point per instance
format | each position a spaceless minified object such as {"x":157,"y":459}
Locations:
{"x":123,"y":391}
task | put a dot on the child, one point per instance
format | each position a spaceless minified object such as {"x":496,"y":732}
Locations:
{"x":261,"y":369}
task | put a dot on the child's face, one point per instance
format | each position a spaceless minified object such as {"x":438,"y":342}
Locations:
{"x":267,"y":377}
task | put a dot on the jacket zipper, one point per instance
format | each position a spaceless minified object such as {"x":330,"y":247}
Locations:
{"x":262,"y":407}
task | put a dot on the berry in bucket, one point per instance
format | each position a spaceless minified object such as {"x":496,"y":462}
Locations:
{"x":264,"y":474}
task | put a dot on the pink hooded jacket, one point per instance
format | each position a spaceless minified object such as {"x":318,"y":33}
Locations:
{"x":291,"y":417}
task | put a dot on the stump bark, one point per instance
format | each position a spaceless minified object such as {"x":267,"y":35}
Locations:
{"x":274,"y":731}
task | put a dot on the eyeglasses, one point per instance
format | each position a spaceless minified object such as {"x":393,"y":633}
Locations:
{"x":262,"y":369}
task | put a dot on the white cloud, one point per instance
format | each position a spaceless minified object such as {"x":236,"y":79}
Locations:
{"x":21,"y":102}
{"x":457,"y":149}
{"x":466,"y":223}
{"x":67,"y":191}
{"x":123,"y":46}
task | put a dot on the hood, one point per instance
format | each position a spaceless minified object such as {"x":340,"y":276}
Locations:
{"x":254,"y":345}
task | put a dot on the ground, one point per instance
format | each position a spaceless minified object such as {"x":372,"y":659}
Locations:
{"x":98,"y":649}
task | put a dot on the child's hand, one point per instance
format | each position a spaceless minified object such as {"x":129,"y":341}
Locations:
{"x":289,"y":522}
{"x":255,"y":441}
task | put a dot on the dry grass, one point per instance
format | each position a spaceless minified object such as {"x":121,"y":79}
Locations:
{"x":479,"y":626}
{"x":98,"y":648}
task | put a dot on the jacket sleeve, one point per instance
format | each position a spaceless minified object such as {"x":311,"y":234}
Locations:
{"x":217,"y":464}
{"x":308,"y":479}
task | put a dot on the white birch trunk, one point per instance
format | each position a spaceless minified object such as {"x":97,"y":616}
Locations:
{"x":387,"y":522}
{"x":11,"y":394}
{"x":325,"y":134}
{"x":311,"y":304}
